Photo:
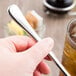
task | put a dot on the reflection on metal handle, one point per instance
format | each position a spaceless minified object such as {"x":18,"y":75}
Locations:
{"x":60,"y":66}
{"x":17,"y":15}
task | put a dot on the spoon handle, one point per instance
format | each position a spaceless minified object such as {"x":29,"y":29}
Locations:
{"x":17,"y":15}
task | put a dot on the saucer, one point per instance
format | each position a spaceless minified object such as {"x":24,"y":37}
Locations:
{"x":58,"y":10}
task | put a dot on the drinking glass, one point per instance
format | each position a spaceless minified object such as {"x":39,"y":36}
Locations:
{"x":69,"y":54}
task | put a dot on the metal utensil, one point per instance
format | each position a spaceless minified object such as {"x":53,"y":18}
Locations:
{"x":17,"y":15}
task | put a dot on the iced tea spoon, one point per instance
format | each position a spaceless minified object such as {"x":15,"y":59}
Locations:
{"x":17,"y":15}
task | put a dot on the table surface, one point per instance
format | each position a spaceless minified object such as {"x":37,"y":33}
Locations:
{"x":55,"y":25}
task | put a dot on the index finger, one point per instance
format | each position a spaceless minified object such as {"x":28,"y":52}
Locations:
{"x":21,"y":43}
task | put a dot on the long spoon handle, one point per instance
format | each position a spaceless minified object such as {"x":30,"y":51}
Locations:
{"x":17,"y":15}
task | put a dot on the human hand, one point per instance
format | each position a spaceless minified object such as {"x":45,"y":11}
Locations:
{"x":18,"y":56}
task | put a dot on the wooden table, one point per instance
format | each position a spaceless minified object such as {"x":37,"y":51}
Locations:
{"x":55,"y":25}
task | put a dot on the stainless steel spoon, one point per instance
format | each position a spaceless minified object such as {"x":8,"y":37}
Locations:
{"x":17,"y":15}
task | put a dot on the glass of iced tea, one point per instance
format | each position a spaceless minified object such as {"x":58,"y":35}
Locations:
{"x":69,"y":53}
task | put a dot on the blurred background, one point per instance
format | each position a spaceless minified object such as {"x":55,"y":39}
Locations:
{"x":55,"y":25}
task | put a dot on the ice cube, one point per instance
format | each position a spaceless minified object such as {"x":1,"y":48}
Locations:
{"x":74,"y":32}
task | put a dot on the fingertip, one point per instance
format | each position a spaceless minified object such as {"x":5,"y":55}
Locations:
{"x":37,"y":73}
{"x":49,"y":41}
{"x":31,"y":42}
{"x":44,"y":68}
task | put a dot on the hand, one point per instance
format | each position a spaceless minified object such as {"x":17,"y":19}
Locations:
{"x":22,"y":56}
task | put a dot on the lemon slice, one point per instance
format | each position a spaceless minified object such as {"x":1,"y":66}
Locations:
{"x":15,"y":28}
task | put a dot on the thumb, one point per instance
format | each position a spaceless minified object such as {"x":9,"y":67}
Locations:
{"x":37,"y":52}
